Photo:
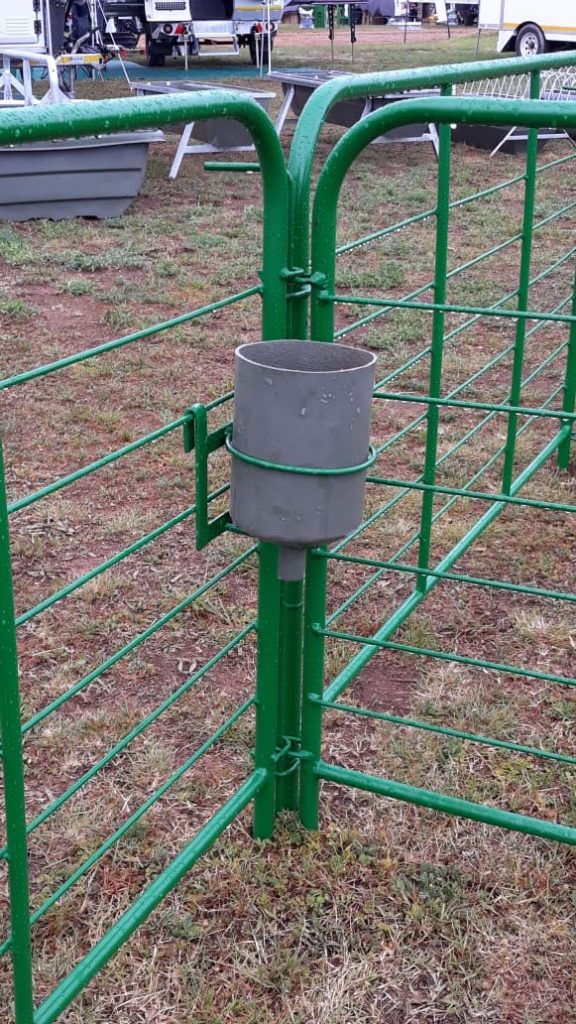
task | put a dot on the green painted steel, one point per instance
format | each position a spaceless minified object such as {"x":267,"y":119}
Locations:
{"x":13,"y":774}
{"x":293,"y":627}
{"x":517,"y":416}
{"x":201,"y":440}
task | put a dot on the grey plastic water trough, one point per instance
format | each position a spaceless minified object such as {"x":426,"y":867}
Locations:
{"x":300,"y":445}
{"x":97,"y":176}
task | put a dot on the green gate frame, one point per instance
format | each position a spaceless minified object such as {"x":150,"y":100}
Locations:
{"x":289,"y":698}
{"x":444,"y":112}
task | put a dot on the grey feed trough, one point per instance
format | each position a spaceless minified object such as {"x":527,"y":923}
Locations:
{"x":97,"y":176}
{"x":298,"y":87}
{"x":214,"y":135}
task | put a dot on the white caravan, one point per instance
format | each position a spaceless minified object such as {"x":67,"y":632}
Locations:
{"x":531,"y":26}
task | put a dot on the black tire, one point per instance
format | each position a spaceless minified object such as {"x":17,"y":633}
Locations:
{"x":156,"y":59}
{"x":530,"y":41}
{"x":254,"y":47}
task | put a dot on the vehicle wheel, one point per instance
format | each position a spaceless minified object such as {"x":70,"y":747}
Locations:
{"x":254,"y":48}
{"x":530,"y":41}
{"x":156,"y":59}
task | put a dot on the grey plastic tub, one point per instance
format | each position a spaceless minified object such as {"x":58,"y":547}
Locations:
{"x":347,"y":112}
{"x":98,"y":176}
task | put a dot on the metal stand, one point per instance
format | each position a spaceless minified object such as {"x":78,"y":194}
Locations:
{"x":184,"y":149}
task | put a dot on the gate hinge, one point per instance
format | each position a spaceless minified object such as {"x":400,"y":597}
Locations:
{"x":289,"y":755}
{"x":304,"y":281}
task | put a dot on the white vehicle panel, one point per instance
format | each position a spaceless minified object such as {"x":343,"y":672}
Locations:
{"x":17,"y":18}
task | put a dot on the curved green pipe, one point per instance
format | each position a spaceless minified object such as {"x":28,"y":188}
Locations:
{"x":97,"y":117}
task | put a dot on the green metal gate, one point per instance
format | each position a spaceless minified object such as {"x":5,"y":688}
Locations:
{"x":431,"y":398}
{"x":292,"y":627}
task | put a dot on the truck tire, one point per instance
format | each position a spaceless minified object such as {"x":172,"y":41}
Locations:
{"x":530,"y":41}
{"x":254,"y":46}
{"x":156,"y":59}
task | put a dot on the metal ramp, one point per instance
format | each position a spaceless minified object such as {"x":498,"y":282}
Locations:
{"x":220,"y":33}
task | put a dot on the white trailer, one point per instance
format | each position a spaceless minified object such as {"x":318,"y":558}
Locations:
{"x":197,"y":27}
{"x":530,"y":26}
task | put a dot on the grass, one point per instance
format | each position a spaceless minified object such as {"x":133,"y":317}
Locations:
{"x":389,"y":914}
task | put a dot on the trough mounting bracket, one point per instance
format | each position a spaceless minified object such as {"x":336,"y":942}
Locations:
{"x":203,"y":443}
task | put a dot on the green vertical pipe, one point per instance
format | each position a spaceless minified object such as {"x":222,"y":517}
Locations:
{"x":314,"y":116}
{"x":437,"y":347}
{"x":290,"y":692}
{"x":523,"y":292}
{"x":569,"y":396}
{"x":267,"y":677}
{"x":93,"y":117}
{"x":313,"y":684}
{"x":13,"y":770}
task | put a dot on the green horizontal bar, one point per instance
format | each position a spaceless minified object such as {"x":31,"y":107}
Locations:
{"x":48,"y":602}
{"x":447,"y":307}
{"x":221,"y":400}
{"x":391,"y":229}
{"x":134,"y":818}
{"x":499,"y":498}
{"x":127,"y":339}
{"x":454,"y":205}
{"x":129,"y":647}
{"x":459,"y":659}
{"x":438,"y":515}
{"x":444,"y":458}
{"x":555,"y":163}
{"x":452,"y":577}
{"x":143,"y":906}
{"x":444,"y":730}
{"x":106,"y":460}
{"x":370,"y":317}
{"x":427,"y":214}
{"x":452,"y":403}
{"x":456,"y":331}
{"x":135,"y":732}
{"x":446,"y":804}
{"x":397,"y":619}
{"x":230,"y":165}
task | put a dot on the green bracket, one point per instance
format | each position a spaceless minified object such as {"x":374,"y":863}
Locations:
{"x":202,"y":443}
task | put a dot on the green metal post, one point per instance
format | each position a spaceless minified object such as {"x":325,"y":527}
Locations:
{"x":569,"y":397}
{"x":523,"y":292}
{"x":290,"y":692}
{"x":13,"y":771}
{"x":437,"y":348}
{"x":313,"y":684}
{"x":268,"y":672}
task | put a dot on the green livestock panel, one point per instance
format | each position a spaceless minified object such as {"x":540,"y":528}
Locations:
{"x":63,"y":701}
{"x":482,"y":439}
{"x":474,"y":403}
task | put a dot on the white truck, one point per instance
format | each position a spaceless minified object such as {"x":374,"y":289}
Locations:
{"x":531,"y":26}
{"x":196,"y":27}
